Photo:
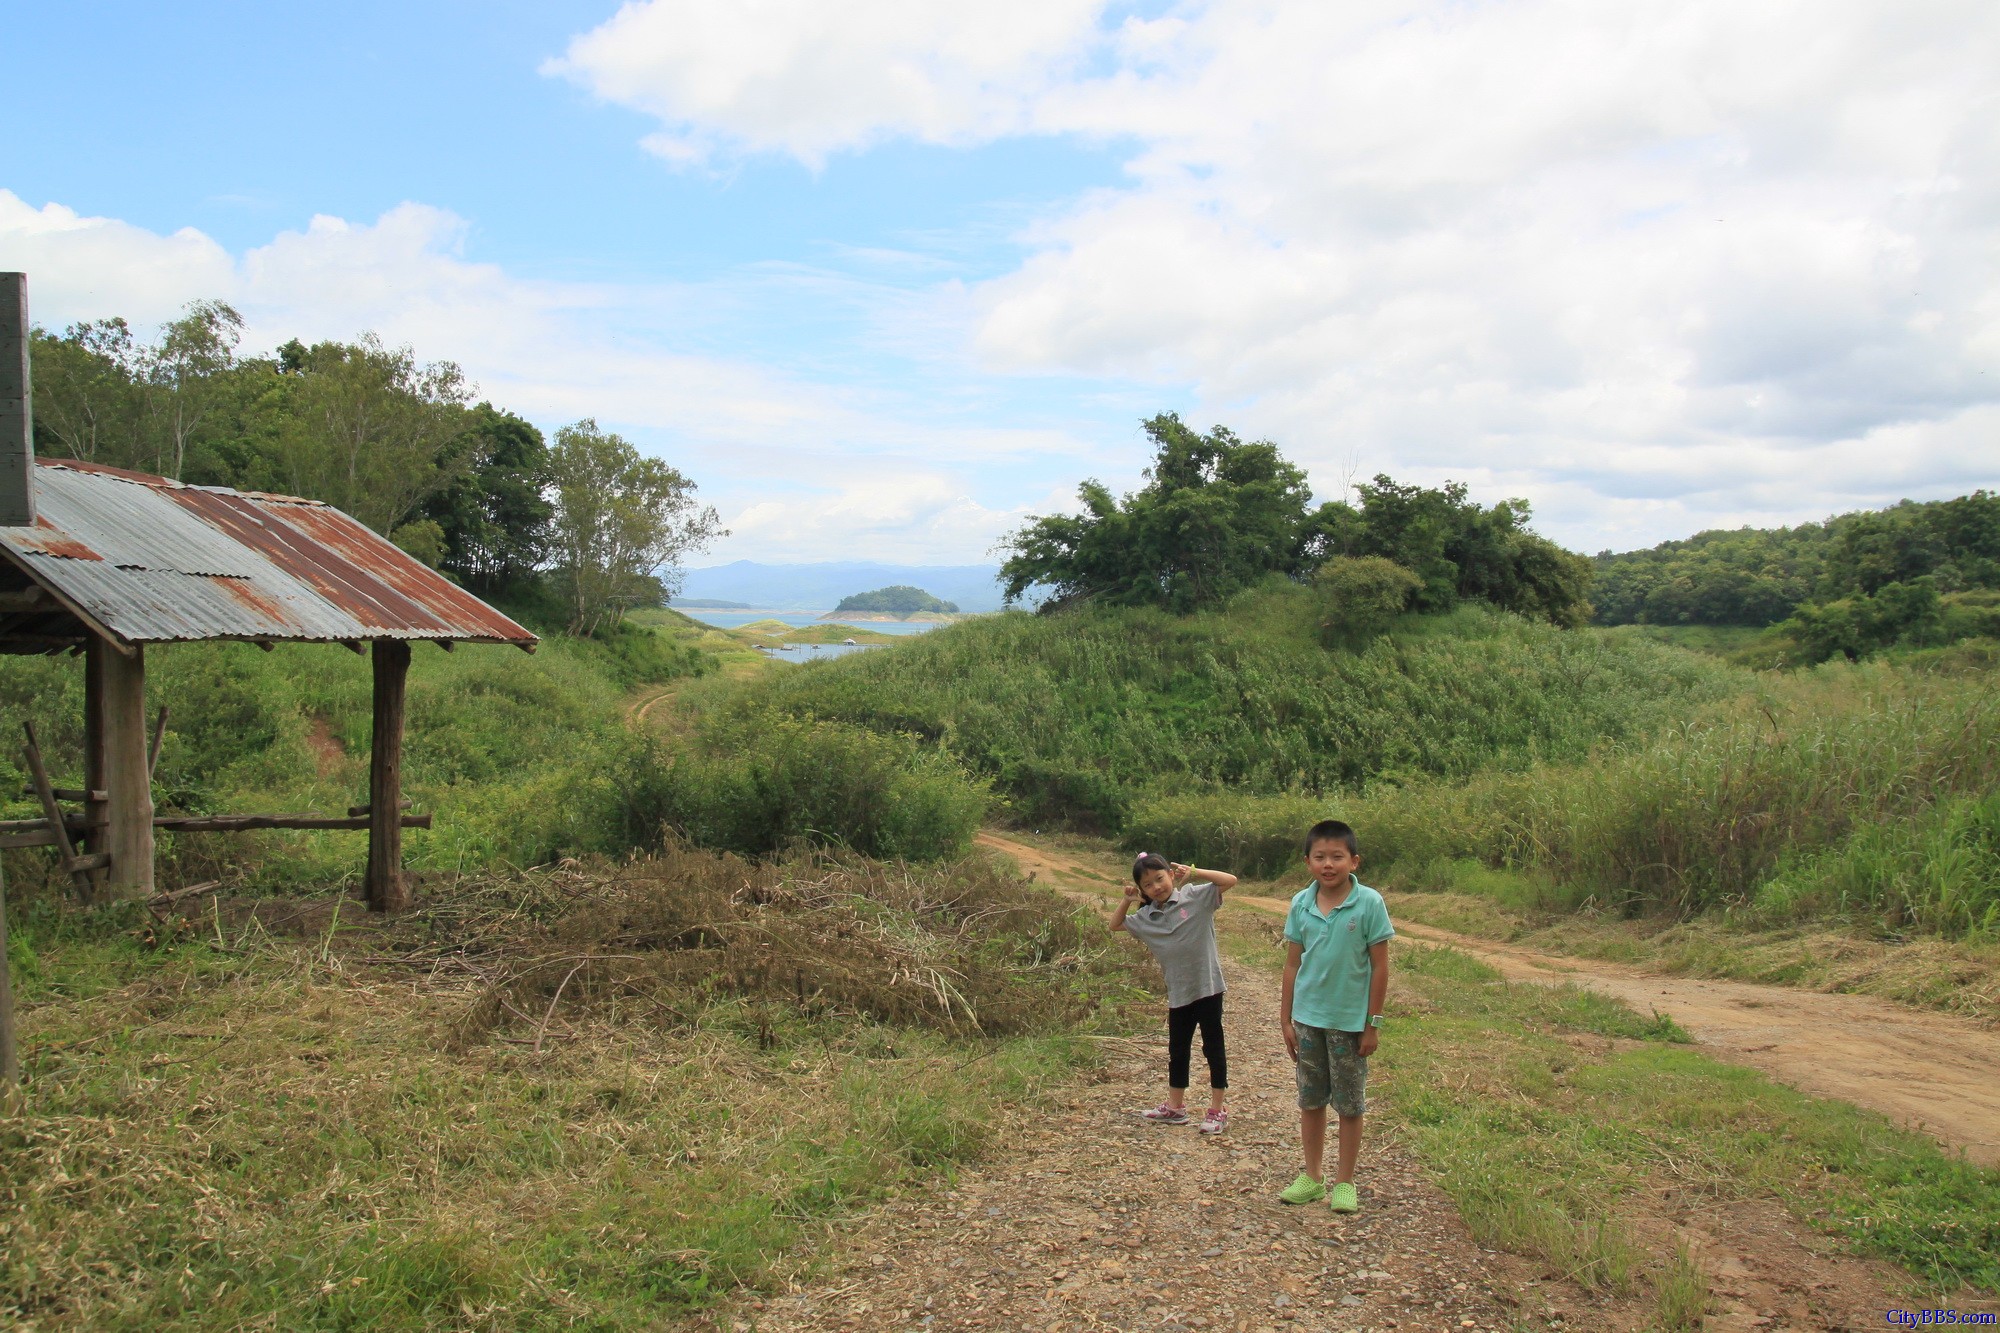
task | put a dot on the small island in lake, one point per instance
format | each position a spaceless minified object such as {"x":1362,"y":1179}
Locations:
{"x":900,"y":602}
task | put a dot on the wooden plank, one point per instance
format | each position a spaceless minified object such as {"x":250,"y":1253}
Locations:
{"x":129,"y":812}
{"x":387,"y":890}
{"x":36,"y":833}
{"x":54,"y":813}
{"x":243,"y":823}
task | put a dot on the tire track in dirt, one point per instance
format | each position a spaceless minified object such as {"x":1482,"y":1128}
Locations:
{"x":1927,"y":1071}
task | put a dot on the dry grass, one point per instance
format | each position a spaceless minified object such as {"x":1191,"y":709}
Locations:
{"x":349,"y":1128}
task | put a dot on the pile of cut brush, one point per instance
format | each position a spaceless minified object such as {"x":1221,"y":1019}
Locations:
{"x":963,"y":947}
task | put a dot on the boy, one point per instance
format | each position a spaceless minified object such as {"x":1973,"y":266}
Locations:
{"x":1330,"y":1008}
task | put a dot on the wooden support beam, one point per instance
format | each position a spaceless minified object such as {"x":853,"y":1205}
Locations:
{"x":127,"y":778}
{"x":354,"y":646}
{"x":244,"y":823}
{"x":10,"y":1059}
{"x":36,"y":832}
{"x":387,"y":891}
{"x":95,"y":839}
{"x":159,"y":734}
{"x":446,"y":644}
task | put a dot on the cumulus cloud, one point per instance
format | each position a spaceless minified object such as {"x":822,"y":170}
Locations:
{"x":809,"y":78}
{"x":1651,"y":266}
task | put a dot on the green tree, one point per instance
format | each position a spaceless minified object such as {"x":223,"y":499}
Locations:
{"x":1853,"y":627}
{"x":372,"y":432}
{"x":181,"y":376}
{"x":493,"y":515}
{"x":87,"y":400}
{"x":622,"y":525}
{"x":1216,"y":516}
{"x":1457,"y":549}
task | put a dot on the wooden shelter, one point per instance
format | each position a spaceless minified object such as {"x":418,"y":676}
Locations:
{"x":109,"y":563}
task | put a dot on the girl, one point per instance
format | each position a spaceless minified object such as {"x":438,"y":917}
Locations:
{"x":1176,"y":920}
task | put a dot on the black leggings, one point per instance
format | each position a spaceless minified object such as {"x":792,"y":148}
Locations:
{"x":1205,"y":1013}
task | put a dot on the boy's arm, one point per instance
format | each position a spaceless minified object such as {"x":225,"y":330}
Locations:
{"x":1293,"y":952}
{"x":1378,"y":994}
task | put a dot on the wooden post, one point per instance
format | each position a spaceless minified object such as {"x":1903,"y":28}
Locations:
{"x":10,"y":1060}
{"x":386,"y":890}
{"x":128,"y":781}
{"x":95,"y":839}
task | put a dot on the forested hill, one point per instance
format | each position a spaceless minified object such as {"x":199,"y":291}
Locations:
{"x":1761,"y":576}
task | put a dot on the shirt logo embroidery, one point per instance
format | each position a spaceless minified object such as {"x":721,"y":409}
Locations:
{"x":1184,"y":915}
{"x":1350,"y":927}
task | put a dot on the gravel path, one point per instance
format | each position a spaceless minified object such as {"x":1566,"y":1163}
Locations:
{"x":1096,"y":1219}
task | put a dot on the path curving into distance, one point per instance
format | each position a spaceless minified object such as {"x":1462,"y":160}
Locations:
{"x":1928,"y":1071}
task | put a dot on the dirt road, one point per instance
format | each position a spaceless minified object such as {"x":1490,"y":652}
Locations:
{"x":1925,"y":1070}
{"x":1094,"y":1218}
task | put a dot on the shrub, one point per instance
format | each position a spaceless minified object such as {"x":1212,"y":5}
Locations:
{"x":758,"y":783}
{"x":1360,"y":597}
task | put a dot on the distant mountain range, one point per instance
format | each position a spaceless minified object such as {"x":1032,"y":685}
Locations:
{"x":821,"y":586}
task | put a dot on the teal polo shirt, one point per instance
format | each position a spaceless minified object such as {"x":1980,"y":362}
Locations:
{"x":1334,"y":967}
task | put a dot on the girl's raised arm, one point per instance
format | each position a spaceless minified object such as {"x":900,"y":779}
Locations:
{"x":1221,"y":879}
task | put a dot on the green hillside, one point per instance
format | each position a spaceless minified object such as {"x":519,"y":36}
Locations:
{"x":1073,"y":716}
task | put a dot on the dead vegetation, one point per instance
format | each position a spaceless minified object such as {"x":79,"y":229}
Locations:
{"x":595,"y":1095}
{"x":965,"y":949}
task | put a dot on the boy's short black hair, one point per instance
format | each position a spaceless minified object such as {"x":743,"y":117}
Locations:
{"x":1332,"y":830}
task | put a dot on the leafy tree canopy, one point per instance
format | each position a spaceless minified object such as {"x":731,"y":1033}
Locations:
{"x":1754,"y":576}
{"x":898,"y":600}
{"x":1219,"y":515}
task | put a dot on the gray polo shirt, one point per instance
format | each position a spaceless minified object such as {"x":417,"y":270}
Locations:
{"x":1181,"y":934}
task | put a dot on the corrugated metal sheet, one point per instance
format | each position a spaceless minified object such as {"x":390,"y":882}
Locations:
{"x":156,"y":561}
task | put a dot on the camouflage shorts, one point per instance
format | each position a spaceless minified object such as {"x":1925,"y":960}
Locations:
{"x":1331,"y":1070}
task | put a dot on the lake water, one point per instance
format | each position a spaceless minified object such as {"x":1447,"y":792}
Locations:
{"x":816,"y":652}
{"x":733,"y":619}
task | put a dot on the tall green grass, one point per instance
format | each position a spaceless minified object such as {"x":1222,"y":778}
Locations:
{"x":1074,"y":717}
{"x":757,"y":784}
{"x":1859,"y":790}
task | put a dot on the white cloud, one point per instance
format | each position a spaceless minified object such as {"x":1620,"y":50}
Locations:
{"x":809,"y":78}
{"x":1660,"y":264}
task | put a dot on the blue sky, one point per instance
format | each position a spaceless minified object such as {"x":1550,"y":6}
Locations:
{"x":888,"y":276}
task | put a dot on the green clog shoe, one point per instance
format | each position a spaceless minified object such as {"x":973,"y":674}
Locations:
{"x":1304,"y":1190}
{"x":1341,"y":1198}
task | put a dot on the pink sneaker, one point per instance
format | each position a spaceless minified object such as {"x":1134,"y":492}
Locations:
{"x":1215,"y":1122}
{"x":1167,"y":1114}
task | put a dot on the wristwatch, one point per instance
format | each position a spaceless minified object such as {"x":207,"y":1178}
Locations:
{"x":1374,"y":1020}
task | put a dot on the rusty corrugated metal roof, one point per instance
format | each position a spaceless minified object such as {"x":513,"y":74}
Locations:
{"x":159,"y":561}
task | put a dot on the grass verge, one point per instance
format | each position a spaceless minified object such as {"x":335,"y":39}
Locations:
{"x":1562,"y":1123}
{"x":400,"y":1128}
